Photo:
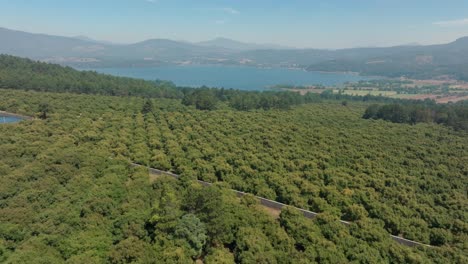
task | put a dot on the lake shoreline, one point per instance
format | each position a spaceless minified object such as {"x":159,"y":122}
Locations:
{"x":233,"y":77}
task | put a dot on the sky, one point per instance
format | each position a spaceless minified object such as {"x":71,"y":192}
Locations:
{"x":329,"y":24}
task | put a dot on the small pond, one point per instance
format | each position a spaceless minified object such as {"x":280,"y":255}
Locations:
{"x":9,"y":119}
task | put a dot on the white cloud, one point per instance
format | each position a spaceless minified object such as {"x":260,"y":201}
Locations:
{"x":226,"y":10}
{"x":151,"y":1}
{"x":457,"y":22}
{"x":230,"y":10}
{"x":220,"y":22}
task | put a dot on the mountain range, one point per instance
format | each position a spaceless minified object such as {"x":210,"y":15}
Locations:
{"x":415,"y":61}
{"x":237,"y":45}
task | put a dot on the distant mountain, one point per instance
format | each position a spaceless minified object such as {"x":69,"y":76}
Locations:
{"x":445,"y":60}
{"x":42,"y":46}
{"x":415,"y":61}
{"x":237,"y":45}
{"x":88,"y":39}
{"x":166,"y":45}
{"x":412,"y":44}
{"x":169,"y":51}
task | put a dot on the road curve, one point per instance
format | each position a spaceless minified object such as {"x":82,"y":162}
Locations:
{"x":278,"y":206}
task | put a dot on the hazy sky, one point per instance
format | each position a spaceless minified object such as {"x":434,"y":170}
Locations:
{"x":298,"y":23}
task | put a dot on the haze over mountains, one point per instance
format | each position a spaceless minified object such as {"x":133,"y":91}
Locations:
{"x":409,"y":60}
{"x":237,"y":45}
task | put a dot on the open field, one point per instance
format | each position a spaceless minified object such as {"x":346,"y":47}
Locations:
{"x":452,"y":99}
{"x":367,"y":92}
{"x":442,"y":91}
{"x":448,"y":82}
{"x":305,"y":91}
{"x":442,"y":99}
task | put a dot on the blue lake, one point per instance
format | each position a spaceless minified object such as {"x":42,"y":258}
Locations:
{"x":9,"y":119}
{"x":237,"y":77}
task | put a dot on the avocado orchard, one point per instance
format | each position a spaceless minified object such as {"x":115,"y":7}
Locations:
{"x":69,"y":195}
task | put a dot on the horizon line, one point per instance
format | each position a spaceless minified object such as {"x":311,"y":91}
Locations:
{"x":286,"y":47}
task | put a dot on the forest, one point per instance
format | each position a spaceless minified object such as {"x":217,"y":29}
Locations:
{"x":26,"y":74}
{"x":69,"y":194}
{"x":453,"y":115}
{"x":205,"y":98}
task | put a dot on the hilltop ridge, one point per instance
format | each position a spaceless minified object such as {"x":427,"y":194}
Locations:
{"x":415,"y":61}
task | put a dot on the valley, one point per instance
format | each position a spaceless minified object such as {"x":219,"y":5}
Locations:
{"x":233,"y":132}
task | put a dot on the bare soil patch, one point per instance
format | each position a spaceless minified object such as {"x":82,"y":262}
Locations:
{"x":452,"y":99}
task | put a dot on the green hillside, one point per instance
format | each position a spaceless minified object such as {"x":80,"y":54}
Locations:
{"x":25,"y":74}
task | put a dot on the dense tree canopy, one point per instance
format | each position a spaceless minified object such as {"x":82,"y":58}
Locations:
{"x":68,"y":193}
{"x":453,"y":115}
{"x":25,"y":74}
{"x":205,"y":98}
